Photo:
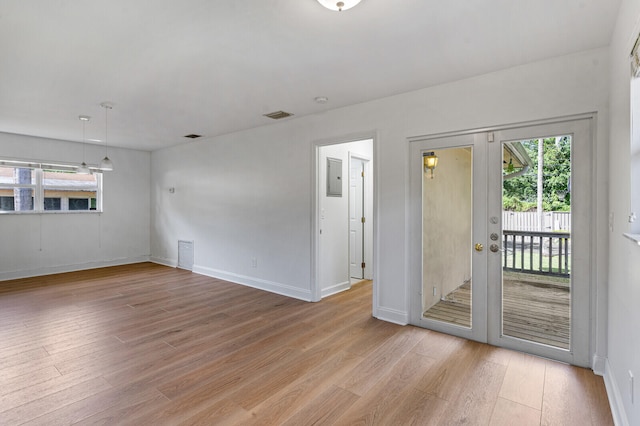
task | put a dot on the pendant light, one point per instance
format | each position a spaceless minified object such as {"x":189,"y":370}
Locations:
{"x":337,"y":5}
{"x":83,"y":169}
{"x":106,"y":164}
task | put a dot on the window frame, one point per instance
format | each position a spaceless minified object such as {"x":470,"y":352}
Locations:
{"x":634,"y":144}
{"x":38,"y":186}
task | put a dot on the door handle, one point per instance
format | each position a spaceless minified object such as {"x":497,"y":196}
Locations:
{"x":479,"y":247}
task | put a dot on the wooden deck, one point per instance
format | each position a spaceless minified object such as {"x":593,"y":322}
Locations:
{"x":531,"y":311}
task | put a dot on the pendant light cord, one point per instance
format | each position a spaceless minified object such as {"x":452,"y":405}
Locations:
{"x":84,"y":142}
{"x":106,"y":130}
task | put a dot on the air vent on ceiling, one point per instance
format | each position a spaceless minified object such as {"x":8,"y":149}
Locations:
{"x":192,"y":136}
{"x":278,"y":115}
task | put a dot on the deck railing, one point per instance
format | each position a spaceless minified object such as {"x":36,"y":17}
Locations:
{"x":545,"y":253}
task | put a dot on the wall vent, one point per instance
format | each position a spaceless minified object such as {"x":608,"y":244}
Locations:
{"x":185,"y":255}
{"x":277,"y":115}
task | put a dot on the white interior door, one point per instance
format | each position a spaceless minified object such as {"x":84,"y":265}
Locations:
{"x":356,"y":218}
{"x":471,"y":276}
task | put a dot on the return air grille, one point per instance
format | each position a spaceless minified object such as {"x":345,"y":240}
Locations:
{"x":185,"y":255}
{"x":277,"y":115}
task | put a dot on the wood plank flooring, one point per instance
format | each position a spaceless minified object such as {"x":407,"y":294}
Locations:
{"x":146,"y":344}
{"x":531,"y":311}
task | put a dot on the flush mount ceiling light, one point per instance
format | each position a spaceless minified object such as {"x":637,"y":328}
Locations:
{"x":83,"y":169}
{"x":106,"y":164}
{"x":321,"y":99}
{"x":338,"y":6}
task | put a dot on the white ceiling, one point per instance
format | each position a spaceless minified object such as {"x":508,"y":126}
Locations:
{"x":212,"y":67}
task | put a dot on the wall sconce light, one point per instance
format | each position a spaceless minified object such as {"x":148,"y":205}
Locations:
{"x":430,"y":160}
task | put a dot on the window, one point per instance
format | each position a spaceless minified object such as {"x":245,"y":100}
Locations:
{"x":79,"y":203}
{"x":36,"y":187}
{"x":7,"y":203}
{"x":17,"y":185}
{"x":52,"y":203}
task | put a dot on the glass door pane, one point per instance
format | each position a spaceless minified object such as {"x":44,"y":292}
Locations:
{"x":536,"y":240}
{"x":447,"y":213}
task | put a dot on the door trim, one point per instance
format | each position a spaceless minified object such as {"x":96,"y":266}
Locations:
{"x":588,"y":115}
{"x":367,"y":211}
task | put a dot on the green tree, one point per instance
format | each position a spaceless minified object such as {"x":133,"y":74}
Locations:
{"x":519,"y":193}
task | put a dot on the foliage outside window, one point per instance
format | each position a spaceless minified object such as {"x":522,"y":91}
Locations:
{"x":520,"y":193}
{"x":36,"y":187}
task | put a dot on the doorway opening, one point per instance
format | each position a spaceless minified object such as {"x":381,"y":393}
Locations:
{"x":344,"y":216}
{"x":494,"y":256}
{"x":535,"y":242}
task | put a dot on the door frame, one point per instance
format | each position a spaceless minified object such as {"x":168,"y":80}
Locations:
{"x":315,"y":290}
{"x":586,"y":161}
{"x":367,"y":212}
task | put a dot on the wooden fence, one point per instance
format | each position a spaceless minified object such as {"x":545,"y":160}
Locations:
{"x":528,"y":221}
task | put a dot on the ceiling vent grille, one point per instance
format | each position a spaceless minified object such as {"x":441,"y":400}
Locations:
{"x":277,"y":115}
{"x":193,"y":136}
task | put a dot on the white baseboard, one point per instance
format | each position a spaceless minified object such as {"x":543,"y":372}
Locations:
{"x":392,"y":315}
{"x":48,"y":270}
{"x":598,"y":365}
{"x":273,"y":287}
{"x":173,"y":263}
{"x":615,"y":398}
{"x":337,"y":288}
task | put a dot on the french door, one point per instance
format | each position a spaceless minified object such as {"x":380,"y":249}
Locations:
{"x":500,"y":237}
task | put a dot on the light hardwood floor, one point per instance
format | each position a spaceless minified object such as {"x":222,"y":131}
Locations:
{"x":150,"y":345}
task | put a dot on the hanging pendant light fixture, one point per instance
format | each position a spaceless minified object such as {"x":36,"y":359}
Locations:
{"x":106,"y":164}
{"x":337,"y":5}
{"x":83,"y":169}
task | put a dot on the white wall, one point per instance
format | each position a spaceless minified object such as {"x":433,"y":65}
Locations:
{"x":239,"y":197}
{"x":624,"y":255}
{"x":248,"y":194}
{"x":37,"y":244}
{"x":334,"y":218}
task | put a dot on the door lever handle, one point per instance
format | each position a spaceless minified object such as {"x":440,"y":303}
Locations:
{"x":495,"y":248}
